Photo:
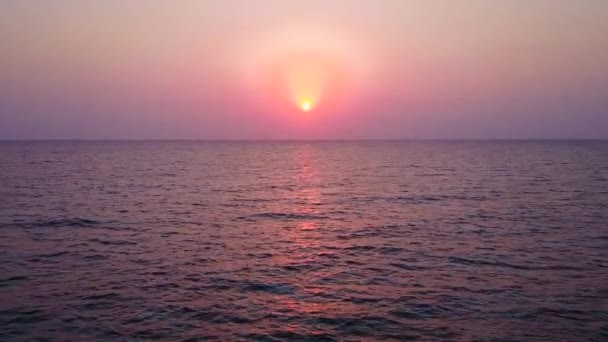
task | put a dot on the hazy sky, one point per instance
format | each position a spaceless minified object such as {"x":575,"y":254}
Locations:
{"x":241,"y":69}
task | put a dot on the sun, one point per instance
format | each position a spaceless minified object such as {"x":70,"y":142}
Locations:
{"x":306,"y":105}
{"x":305,"y":82}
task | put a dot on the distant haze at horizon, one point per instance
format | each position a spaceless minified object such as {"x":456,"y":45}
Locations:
{"x":242,"y":70}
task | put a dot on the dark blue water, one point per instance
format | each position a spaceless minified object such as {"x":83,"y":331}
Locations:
{"x":189,"y":241}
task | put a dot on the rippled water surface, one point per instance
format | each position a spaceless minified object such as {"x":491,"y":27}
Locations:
{"x":189,"y":241}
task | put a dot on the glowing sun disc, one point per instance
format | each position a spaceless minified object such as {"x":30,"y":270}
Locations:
{"x":306,"y":105}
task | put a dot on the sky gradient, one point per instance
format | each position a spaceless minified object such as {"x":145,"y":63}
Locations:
{"x":240,"y":69}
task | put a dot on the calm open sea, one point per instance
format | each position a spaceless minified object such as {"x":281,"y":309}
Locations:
{"x":322,"y":241}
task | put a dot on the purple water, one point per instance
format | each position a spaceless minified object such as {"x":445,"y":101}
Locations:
{"x":322,"y":241}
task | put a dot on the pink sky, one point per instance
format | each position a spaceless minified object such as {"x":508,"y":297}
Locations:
{"x":239,"y":69}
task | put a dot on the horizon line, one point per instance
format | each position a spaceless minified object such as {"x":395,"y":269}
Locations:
{"x":285,"y":140}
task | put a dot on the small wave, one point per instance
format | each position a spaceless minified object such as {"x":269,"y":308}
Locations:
{"x":514,"y":266}
{"x":361,"y":248}
{"x":417,"y":199}
{"x":391,"y":250}
{"x":368,"y":326}
{"x":74,"y":222}
{"x":221,"y":284}
{"x":563,"y":313}
{"x":476,"y":291}
{"x":52,"y":255}
{"x":271,"y":288}
{"x":112,"y":242}
{"x":96,"y":257}
{"x":220,"y":317}
{"x":420,"y":311}
{"x":363,"y":300}
{"x":168,"y":234}
{"x":363,"y":233}
{"x":26,"y":316}
{"x":255,"y":200}
{"x":298,"y":267}
{"x":290,"y":336}
{"x":53,"y":223}
{"x":110,"y":295}
{"x":289,"y":216}
{"x":12,"y":280}
{"x":260,"y":255}
{"x":407,"y":267}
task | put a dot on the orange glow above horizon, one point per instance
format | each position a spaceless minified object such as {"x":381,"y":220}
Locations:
{"x":305,"y":81}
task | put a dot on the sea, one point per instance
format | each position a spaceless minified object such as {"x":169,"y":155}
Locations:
{"x":304,"y":241}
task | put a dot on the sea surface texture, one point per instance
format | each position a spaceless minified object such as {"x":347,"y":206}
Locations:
{"x":320,"y":241}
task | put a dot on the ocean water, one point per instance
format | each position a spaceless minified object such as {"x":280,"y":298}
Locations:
{"x":319,"y":241}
